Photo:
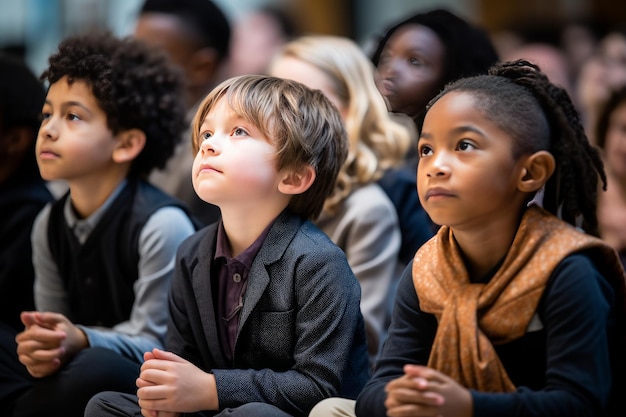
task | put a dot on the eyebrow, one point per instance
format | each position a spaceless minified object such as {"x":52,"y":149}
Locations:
{"x":456,"y":131}
{"x":71,"y":104}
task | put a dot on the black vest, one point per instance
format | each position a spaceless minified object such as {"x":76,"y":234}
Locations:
{"x":99,"y":274}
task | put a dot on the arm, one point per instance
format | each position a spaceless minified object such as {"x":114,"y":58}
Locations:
{"x":145,"y":328}
{"x":411,"y":334}
{"x":575,"y":311}
{"x":49,"y":290}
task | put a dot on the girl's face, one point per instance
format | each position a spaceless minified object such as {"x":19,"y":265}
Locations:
{"x":294,"y":69}
{"x":410,"y":68}
{"x":615,"y":143}
{"x":467,"y":176}
{"x":74,"y":141}
{"x":235,"y":165}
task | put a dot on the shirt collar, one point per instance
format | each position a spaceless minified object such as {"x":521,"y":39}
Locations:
{"x":83,"y":227}
{"x":247,"y":256}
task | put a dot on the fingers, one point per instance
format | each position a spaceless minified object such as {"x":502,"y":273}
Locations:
{"x":165,"y":355}
{"x":412,"y":395}
{"x":27,"y":318}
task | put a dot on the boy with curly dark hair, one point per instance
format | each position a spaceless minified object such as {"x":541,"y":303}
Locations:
{"x":104,"y":253}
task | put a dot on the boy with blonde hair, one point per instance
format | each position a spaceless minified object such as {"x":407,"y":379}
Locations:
{"x":264,"y":308}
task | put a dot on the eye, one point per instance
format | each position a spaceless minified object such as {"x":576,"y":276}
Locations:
{"x":240,"y":132}
{"x":415,"y":61}
{"x":424,"y":150}
{"x":43,"y":116}
{"x":465,"y":146}
{"x":73,"y":117}
{"x":204,"y":136}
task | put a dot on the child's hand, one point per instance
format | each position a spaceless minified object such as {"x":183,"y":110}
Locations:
{"x":47,"y":342}
{"x":168,"y":383}
{"x":426,"y":392}
{"x":408,"y":396}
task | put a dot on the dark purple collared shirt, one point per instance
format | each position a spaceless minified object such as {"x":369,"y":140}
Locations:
{"x":231,"y":285}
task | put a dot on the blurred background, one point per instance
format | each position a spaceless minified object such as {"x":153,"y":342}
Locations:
{"x":33,"y":28}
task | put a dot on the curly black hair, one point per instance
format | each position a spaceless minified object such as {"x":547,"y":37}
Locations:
{"x":539,"y":115}
{"x":135,"y":86}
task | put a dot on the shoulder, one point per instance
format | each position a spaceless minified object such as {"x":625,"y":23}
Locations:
{"x":369,"y":202}
{"x":199,"y":243}
{"x":311,"y":245}
{"x":577,"y":282}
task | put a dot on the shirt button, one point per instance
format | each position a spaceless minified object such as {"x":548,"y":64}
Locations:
{"x":237,"y":278}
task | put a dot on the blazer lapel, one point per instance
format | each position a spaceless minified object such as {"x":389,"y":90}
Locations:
{"x":280,"y":235}
{"x":201,"y":281}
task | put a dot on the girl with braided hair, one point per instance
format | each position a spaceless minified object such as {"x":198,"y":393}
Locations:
{"x":515,"y":307}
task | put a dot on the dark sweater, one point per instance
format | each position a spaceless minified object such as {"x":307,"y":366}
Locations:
{"x":562,"y":369}
{"x":99,"y":274}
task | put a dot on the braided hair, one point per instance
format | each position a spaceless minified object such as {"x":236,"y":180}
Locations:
{"x":539,"y":115}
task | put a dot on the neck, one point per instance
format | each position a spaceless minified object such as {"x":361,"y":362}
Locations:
{"x":243,"y":228}
{"x":89,"y":195}
{"x":484,"y":247}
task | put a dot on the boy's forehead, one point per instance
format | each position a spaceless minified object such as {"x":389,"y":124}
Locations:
{"x":220,"y":108}
{"x":76,"y":90}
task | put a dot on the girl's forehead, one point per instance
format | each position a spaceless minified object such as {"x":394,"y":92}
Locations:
{"x":417,"y":36}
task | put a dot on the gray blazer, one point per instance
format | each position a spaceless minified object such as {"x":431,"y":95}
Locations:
{"x":301,"y":335}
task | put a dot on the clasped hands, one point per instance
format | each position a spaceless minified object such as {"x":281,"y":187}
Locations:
{"x":423,"y":391}
{"x":48,"y":341}
{"x":169,"y":385}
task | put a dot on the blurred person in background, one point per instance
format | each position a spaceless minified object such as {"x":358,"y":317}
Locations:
{"x":23,"y":192}
{"x":611,"y":139}
{"x":603,"y":73}
{"x":358,"y":217}
{"x":257,"y":36}
{"x":196,"y":36}
{"x":415,"y":59}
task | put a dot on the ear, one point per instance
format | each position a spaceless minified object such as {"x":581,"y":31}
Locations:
{"x":130,"y":143}
{"x":297,"y":182}
{"x":537,"y":170}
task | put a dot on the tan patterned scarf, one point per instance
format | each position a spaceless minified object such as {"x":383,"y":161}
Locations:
{"x":473,"y":317}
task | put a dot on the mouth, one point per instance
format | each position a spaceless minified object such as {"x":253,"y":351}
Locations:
{"x":204,"y":169}
{"x":435,"y":194}
{"x":46,"y":154}
{"x":387,"y":87}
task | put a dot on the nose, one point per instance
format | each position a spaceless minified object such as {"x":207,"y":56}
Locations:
{"x":210,"y":145}
{"x":48,"y":129}
{"x":387,"y":68}
{"x":438,"y":165}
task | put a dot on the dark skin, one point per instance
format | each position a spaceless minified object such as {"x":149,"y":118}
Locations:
{"x":410,"y":69}
{"x":468,"y":179}
{"x":200,"y":65}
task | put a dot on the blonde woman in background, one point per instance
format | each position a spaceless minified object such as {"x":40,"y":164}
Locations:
{"x":358,"y":217}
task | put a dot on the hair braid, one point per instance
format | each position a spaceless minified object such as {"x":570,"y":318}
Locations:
{"x":572,"y":190}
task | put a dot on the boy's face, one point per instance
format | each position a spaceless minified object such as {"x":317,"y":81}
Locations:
{"x":467,"y":176}
{"x":74,"y":141}
{"x":235,"y":164}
